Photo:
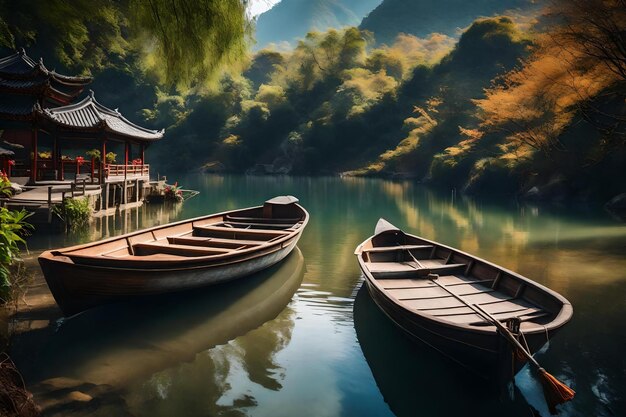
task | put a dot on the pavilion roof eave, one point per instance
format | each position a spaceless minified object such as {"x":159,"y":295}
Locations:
{"x":71,"y":81}
{"x":90,"y":116}
{"x":67,"y":98}
{"x":21,"y":66}
{"x":64,"y":132}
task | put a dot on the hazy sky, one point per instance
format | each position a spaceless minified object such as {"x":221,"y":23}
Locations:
{"x":259,"y":6}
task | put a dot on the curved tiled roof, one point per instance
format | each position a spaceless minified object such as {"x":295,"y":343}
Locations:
{"x":17,"y":107}
{"x":6,"y":152}
{"x":23,"y":84}
{"x":89,"y":114}
{"x":19,"y":65}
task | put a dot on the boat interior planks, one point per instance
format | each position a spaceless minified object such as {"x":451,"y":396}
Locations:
{"x":195,"y":239}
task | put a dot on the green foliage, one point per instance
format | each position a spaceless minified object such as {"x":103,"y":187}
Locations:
{"x":181,"y":42}
{"x":190,"y":40}
{"x":110,"y":157}
{"x":13,"y":225}
{"x":5,"y":185}
{"x":74,"y":212}
{"x":386,"y":110}
{"x":93,"y":153}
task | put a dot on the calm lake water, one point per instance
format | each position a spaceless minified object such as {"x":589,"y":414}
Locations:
{"x":304,"y":338}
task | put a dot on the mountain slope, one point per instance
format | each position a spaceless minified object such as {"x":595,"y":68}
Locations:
{"x":422,"y":17}
{"x":292,"y":19}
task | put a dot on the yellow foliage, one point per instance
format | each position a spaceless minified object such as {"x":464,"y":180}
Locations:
{"x":254,"y":107}
{"x":272,"y":95}
{"x":365,"y":88}
{"x":232,"y":140}
{"x":407,"y":52}
{"x":535,"y":103}
{"x":421,"y":125}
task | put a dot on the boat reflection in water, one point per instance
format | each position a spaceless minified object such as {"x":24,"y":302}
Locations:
{"x":415,"y":379}
{"x":124,"y":344}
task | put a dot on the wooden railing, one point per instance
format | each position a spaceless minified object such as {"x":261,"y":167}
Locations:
{"x":128,"y":170}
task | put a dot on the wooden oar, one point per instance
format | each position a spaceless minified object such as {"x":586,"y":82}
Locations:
{"x":554,"y":390}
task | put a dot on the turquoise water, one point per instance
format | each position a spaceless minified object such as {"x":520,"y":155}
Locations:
{"x":304,"y":338}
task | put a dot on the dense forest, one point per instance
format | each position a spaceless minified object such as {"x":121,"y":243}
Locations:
{"x":531,"y":102}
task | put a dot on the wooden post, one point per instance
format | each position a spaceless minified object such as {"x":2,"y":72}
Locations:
{"x":60,"y":174}
{"x":126,"y":146}
{"x":73,"y":187}
{"x":33,"y":169}
{"x":106,"y":200}
{"x":84,"y":186}
{"x":55,"y":157}
{"x":143,"y":156}
{"x":137,"y":190}
{"x":50,"y":204}
{"x":103,"y":161}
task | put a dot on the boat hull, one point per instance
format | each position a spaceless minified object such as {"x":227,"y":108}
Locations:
{"x":128,"y":346}
{"x":78,"y":287}
{"x":484,"y":353}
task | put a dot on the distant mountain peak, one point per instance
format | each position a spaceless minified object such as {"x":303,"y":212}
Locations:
{"x":292,"y":19}
{"x":422,"y":17}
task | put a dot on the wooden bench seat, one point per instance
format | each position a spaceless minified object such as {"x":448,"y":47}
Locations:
{"x":384,"y":270}
{"x":258,"y":226}
{"x":232,"y":233}
{"x":212,"y":242}
{"x":150,"y":248}
{"x":264,"y":220}
{"x":395,"y":248}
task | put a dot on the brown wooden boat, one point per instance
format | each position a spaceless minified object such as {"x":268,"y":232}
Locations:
{"x":174,"y":257}
{"x":431,"y":291}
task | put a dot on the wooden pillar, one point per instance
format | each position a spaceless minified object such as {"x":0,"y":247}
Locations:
{"x":33,"y":168}
{"x":143,"y":156}
{"x":103,"y":153}
{"x":55,"y":156}
{"x":106,"y":196}
{"x":126,"y":148}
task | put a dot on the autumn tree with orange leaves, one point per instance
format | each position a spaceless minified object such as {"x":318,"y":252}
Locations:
{"x":577,"y":71}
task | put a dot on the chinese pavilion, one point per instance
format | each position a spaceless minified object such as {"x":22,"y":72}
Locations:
{"x":41,"y":117}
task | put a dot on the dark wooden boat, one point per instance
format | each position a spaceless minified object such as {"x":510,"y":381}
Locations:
{"x":430,"y":291}
{"x":178,"y":256}
{"x":128,"y":346}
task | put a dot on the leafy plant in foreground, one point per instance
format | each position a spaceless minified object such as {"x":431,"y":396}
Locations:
{"x":13,"y":226}
{"x":74,"y":212}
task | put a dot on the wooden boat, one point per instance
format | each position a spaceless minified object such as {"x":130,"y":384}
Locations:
{"x":430,"y":291}
{"x":129,"y":346}
{"x":395,"y":361}
{"x":178,"y":256}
